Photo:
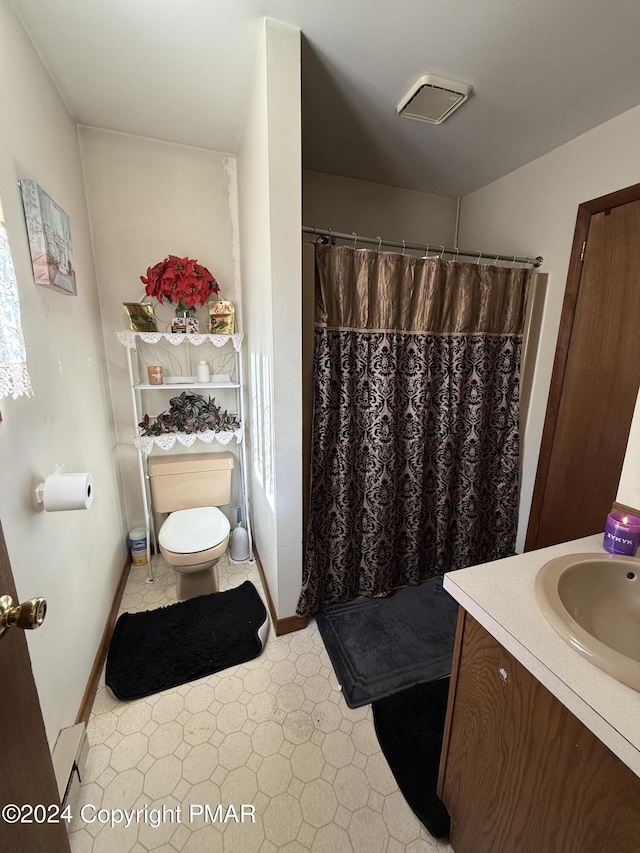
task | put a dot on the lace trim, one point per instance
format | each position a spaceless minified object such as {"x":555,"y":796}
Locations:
{"x":168,"y":440}
{"x":129,"y":338}
{"x":15,"y":381}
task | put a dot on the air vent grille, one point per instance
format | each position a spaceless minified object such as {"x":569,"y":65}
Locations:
{"x":432,"y":99}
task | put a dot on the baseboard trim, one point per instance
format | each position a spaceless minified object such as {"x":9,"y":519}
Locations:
{"x":101,"y":655}
{"x":290,"y":624}
{"x":628,"y":510}
{"x":281,"y":626}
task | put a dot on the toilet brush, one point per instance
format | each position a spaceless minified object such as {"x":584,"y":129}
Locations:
{"x":239,"y":541}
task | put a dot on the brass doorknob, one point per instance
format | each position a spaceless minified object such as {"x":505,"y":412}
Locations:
{"x":28,"y":615}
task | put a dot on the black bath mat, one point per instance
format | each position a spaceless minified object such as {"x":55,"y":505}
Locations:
{"x":410,"y":726}
{"x":158,"y":649}
{"x":381,"y":645}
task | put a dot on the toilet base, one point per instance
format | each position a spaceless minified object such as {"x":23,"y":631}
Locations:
{"x":192,"y":584}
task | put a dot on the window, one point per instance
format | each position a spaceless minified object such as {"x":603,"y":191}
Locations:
{"x":261,"y":427}
{"x":14,"y":377}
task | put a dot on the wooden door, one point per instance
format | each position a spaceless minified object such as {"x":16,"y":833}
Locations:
{"x":26,"y":770}
{"x":596,"y":375}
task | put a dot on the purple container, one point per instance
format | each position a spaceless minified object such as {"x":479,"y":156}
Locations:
{"x":622,"y":534}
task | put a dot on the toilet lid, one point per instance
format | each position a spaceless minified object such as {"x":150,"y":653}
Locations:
{"x":187,"y":531}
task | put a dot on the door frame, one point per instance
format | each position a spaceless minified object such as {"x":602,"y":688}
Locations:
{"x":585,"y":211}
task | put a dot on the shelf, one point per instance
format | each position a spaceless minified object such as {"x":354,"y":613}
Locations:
{"x":169,"y":386}
{"x":167,"y":440}
{"x":130,"y":339}
{"x":225,"y":379}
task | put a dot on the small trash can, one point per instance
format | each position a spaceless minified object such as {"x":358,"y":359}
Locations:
{"x":138,"y":546}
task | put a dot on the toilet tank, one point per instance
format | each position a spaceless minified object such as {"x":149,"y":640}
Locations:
{"x":189,"y":480}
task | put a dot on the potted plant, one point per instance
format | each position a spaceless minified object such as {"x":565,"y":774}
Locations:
{"x":189,"y":413}
{"x":181,"y":281}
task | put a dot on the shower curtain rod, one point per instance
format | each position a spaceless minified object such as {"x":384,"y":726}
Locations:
{"x":420,"y":247}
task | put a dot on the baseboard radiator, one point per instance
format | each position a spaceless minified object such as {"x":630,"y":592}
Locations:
{"x":69,"y":759}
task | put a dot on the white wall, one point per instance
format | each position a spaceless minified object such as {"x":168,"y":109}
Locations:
{"x":269,"y":186}
{"x":148,"y":199}
{"x":376,"y":210}
{"x":533,"y":212}
{"x":629,"y":486}
{"x":73,"y":559}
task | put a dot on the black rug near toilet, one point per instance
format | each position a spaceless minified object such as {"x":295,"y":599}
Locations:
{"x":381,"y":645}
{"x":159,"y":649}
{"x":410,"y":727}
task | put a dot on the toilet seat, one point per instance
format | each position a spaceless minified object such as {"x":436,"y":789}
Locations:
{"x":189,"y":531}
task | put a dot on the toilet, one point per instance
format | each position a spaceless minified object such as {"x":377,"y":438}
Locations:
{"x":191,"y":487}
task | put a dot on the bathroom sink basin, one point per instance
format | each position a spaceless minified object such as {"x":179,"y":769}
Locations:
{"x":593,"y":602}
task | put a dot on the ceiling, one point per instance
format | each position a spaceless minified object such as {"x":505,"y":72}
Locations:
{"x":543,"y":72}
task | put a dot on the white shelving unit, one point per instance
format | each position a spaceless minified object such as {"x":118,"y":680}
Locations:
{"x":135,"y":343}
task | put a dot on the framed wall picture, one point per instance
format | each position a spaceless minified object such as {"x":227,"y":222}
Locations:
{"x":49,"y":239}
{"x":141,"y":317}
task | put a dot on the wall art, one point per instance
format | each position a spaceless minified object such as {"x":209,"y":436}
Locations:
{"x":49,"y":239}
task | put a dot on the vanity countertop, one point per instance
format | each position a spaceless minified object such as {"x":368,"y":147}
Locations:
{"x":499,"y":595}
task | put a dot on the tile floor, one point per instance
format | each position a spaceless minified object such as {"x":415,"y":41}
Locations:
{"x":274,"y":733}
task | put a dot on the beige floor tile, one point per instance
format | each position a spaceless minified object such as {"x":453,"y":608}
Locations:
{"x":318,"y":802}
{"x":267,"y":738}
{"x":367,"y":831}
{"x":274,"y":775}
{"x":351,"y":787}
{"x":307,"y":761}
{"x":331,"y":839}
{"x":282,"y":819}
{"x":199,"y":763}
{"x":166,"y":739}
{"x":338,"y":749}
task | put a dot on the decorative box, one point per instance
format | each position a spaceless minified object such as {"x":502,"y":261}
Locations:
{"x":222,"y":318}
{"x":185,"y":324}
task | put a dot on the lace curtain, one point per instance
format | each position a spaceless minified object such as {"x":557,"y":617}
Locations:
{"x":14,"y":377}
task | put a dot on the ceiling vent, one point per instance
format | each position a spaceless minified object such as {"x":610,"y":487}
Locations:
{"x":432,"y":99}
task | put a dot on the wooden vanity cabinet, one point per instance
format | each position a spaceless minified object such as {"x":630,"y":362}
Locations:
{"x":520,"y":773}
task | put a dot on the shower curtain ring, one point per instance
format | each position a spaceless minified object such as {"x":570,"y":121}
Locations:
{"x":404,"y":246}
{"x":355,"y":240}
{"x":497,"y":256}
{"x":457,"y":252}
{"x":513,"y":261}
{"x":441,"y":252}
{"x":330,"y":236}
{"x":379,"y":243}
{"x":478,"y":258}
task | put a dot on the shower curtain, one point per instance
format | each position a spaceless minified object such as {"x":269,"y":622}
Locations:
{"x":415,"y":447}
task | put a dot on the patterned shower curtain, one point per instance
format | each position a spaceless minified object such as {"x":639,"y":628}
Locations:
{"x":415,"y":449}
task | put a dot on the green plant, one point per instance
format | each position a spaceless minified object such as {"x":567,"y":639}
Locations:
{"x":189,"y":413}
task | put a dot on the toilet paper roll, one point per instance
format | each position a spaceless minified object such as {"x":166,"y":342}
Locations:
{"x":68,"y":491}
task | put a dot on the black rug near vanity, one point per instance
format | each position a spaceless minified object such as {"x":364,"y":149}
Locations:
{"x":410,"y":728}
{"x":158,"y":649}
{"x":379,"y":646}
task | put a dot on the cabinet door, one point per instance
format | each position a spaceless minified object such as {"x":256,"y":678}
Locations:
{"x":521,"y":774}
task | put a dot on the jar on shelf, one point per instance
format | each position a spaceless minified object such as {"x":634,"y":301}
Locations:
{"x":203,"y":371}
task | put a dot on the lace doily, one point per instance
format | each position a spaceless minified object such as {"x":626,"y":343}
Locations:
{"x":129,"y":339}
{"x":167,"y":440}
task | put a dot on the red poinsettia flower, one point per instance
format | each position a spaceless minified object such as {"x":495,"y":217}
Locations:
{"x":180,"y":280}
